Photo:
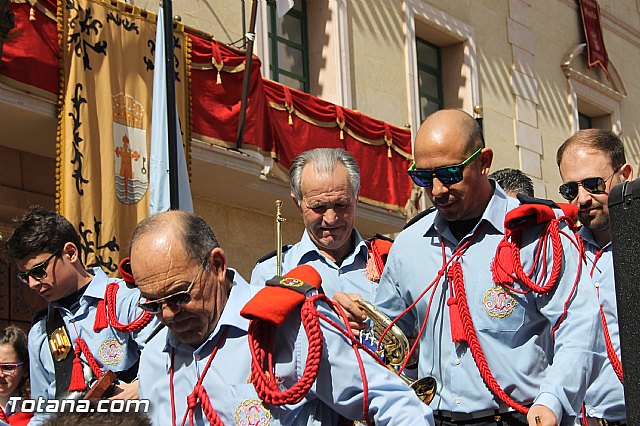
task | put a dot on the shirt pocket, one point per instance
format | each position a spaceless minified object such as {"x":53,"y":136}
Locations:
{"x":500,"y":310}
{"x":246,"y":408}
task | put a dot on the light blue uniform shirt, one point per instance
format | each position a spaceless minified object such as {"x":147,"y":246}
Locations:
{"x":518,"y":346}
{"x":605,"y":396}
{"x":114,"y":350}
{"x":338,"y":387}
{"x":349,"y":277}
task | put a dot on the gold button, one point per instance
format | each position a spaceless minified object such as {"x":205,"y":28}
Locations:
{"x":497,"y":418}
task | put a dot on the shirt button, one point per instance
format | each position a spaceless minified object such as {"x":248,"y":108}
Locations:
{"x":458,"y":400}
{"x":197,"y":357}
{"x":592,"y":412}
{"x":456,"y":361}
{"x":597,"y":285}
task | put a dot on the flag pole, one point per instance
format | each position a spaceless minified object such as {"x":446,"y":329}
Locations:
{"x":172,"y":130}
{"x":250,"y":36}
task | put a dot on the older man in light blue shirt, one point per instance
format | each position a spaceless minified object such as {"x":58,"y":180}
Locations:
{"x":205,"y":343}
{"x":537,"y":368}
{"x":591,"y":162}
{"x":324,"y":186}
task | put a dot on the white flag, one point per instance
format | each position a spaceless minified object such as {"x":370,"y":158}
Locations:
{"x":283,"y":6}
{"x":159,"y":156}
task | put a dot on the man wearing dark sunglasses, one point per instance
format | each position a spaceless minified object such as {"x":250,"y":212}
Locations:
{"x":591,"y":162}
{"x":512,"y":354}
{"x":46,"y":250}
{"x":200,"y":363}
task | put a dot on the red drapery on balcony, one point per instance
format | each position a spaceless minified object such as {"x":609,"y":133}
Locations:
{"x":281,"y":122}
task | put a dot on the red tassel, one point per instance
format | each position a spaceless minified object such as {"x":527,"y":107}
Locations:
{"x":77,"y":375}
{"x":100,"y":322}
{"x":455,"y":322}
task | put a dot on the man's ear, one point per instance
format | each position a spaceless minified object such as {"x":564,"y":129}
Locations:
{"x":486,"y":158}
{"x":295,"y":201}
{"x":71,"y":252}
{"x":218,"y":263}
{"x":626,"y":172}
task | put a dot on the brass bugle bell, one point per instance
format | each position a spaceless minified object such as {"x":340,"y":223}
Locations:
{"x":395,"y":347}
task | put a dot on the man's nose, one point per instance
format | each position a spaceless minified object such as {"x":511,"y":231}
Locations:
{"x":169,"y":311}
{"x":584,"y":196}
{"x":438,"y":189}
{"x":33,"y":283}
{"x":330,"y":216}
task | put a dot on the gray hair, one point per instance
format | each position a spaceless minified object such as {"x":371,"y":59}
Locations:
{"x":325,"y":161}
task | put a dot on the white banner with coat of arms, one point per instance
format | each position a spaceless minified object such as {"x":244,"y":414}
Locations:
{"x":105,"y":122}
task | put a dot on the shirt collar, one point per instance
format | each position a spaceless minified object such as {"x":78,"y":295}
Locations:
{"x":586,"y":234}
{"x":494,"y":214}
{"x":307,"y":246}
{"x":241,"y":293}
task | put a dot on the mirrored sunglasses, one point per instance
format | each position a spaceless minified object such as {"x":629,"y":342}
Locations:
{"x":593,"y":185}
{"x":175,"y":300}
{"x":448,"y":175}
{"x":10,"y":367}
{"x":37,"y":272}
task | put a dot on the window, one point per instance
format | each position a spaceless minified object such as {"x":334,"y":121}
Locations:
{"x":584,"y":121}
{"x":429,"y":78}
{"x":440,"y":62}
{"x":288,"y":46}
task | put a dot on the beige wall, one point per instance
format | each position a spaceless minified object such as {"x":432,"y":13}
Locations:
{"x":245,"y":235}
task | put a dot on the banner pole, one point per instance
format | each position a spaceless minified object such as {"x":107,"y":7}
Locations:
{"x":246,"y":78}
{"x":172,"y":131}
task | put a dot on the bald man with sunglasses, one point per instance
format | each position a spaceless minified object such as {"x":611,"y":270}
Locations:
{"x":199,"y":365}
{"x":591,"y":162}
{"x":47,"y":252}
{"x":501,"y":358}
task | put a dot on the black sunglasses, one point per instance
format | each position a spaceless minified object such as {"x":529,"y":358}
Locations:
{"x":593,"y":185}
{"x":176,"y":300}
{"x":38,"y":272}
{"x":448,"y":175}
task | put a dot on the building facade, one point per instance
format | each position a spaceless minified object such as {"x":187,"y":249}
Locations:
{"x":519,"y":65}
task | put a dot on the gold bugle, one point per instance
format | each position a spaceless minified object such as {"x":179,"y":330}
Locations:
{"x":395,"y":347}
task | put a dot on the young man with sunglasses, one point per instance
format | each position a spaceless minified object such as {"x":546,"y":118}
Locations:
{"x":199,"y":366}
{"x":46,"y":250}
{"x":496,"y":351}
{"x":591,"y":162}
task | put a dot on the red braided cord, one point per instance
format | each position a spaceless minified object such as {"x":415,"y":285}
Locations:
{"x":433,"y":285}
{"x":355,"y":344}
{"x":456,"y":275}
{"x":611,"y":352}
{"x":80,"y":343}
{"x":261,"y":334}
{"x":110,"y":300}
{"x":199,"y":394}
{"x":511,"y":242}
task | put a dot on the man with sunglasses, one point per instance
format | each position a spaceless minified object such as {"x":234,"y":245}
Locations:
{"x":490,"y":347}
{"x":199,"y":366}
{"x":591,"y":162}
{"x":46,"y":250}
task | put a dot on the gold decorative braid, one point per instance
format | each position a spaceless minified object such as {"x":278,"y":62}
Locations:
{"x":188,"y":112}
{"x":344,"y":128}
{"x":60,"y":24}
{"x":226,"y":68}
{"x":41,"y":8}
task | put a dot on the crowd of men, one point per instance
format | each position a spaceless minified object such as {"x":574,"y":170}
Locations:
{"x":504,"y":313}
